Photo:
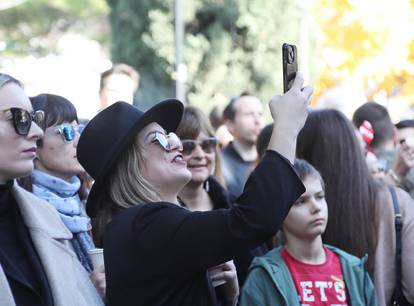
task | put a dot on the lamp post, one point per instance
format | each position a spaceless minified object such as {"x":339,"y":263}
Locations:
{"x":180,"y":67}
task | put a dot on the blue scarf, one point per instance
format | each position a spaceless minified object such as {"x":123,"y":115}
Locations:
{"x":64,"y":197}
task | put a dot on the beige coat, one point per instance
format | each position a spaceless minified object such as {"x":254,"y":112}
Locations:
{"x":384,"y":274}
{"x":68,"y":280}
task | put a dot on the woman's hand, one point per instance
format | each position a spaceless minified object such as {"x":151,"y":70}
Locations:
{"x":290,"y":110}
{"x":98,"y":279}
{"x":289,"y":113}
{"x":226,"y":272}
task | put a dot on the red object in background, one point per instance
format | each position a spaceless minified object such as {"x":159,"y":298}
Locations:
{"x":367,"y":132}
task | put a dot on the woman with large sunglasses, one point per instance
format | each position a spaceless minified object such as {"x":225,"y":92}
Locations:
{"x":157,"y":252}
{"x":57,"y":170}
{"x":36,"y":265}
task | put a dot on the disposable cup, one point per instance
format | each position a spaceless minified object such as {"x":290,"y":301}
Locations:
{"x":97,"y":258}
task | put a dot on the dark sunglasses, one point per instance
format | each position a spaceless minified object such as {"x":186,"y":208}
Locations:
{"x":68,"y":131}
{"x":22,"y":119}
{"x":208,"y":145}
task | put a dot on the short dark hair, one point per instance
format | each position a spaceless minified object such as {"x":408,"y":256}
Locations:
{"x":120,"y":68}
{"x":229,"y":113}
{"x":305,"y":169}
{"x":57,"y":109}
{"x":380,"y":119}
{"x":408,"y":123}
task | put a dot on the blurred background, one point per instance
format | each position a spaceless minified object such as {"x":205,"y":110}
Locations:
{"x":207,"y":51}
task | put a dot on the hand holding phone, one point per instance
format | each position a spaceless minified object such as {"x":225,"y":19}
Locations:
{"x":290,"y":65}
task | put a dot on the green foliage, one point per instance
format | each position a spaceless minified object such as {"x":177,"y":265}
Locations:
{"x":34,"y":26}
{"x":230,"y":46}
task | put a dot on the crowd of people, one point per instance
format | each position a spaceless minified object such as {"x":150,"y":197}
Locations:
{"x":311,"y":209}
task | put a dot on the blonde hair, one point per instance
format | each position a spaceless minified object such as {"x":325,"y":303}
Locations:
{"x":125,"y":187}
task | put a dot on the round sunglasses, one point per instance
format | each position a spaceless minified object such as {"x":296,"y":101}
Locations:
{"x":68,"y":131}
{"x":208,"y":145}
{"x":22,"y":119}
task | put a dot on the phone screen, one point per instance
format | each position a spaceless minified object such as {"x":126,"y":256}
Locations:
{"x":290,"y":65}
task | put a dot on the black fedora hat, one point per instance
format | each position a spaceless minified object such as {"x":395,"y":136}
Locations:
{"x":111,"y":131}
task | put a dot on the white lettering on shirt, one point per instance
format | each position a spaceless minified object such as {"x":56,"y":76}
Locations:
{"x":307,"y":293}
{"x":339,"y":288}
{"x":322,"y":285}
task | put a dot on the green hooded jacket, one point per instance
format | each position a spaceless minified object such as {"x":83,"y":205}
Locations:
{"x":270,"y":283}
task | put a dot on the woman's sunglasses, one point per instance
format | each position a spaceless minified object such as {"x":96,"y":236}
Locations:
{"x":208,"y":145}
{"x":167,"y":142}
{"x":22,"y":119}
{"x":68,"y":131}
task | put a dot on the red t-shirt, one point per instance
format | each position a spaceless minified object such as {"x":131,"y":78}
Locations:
{"x":318,"y":284}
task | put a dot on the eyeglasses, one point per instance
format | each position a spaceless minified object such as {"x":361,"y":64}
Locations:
{"x":208,"y":145}
{"x":167,"y":142}
{"x":22,"y":119}
{"x":68,"y":131}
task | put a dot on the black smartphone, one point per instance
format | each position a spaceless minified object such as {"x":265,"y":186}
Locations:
{"x":290,"y":65}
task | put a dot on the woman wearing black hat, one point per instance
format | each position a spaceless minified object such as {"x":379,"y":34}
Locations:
{"x":156,"y":252}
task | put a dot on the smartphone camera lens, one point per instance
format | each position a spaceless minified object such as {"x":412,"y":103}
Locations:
{"x":291,"y":55}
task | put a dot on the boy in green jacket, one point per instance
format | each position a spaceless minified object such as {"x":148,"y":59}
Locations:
{"x":304,"y":271}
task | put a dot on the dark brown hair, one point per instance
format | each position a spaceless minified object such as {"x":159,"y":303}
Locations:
{"x":328,"y":141}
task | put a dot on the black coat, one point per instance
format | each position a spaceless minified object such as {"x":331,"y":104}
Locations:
{"x":221,"y":198}
{"x":158,"y":253}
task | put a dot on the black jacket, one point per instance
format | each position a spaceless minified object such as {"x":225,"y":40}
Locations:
{"x":222,"y":199}
{"x":158,"y":253}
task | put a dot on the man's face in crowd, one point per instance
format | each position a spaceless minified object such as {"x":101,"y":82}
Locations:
{"x":406,"y":134}
{"x":117,"y":87}
{"x":248,"y":120}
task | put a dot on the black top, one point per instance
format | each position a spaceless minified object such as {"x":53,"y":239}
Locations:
{"x":158,"y":253}
{"x":18,"y":257}
{"x":222,"y":199}
{"x":235,"y":170}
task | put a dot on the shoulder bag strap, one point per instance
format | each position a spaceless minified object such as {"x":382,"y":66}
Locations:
{"x":398,"y":247}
